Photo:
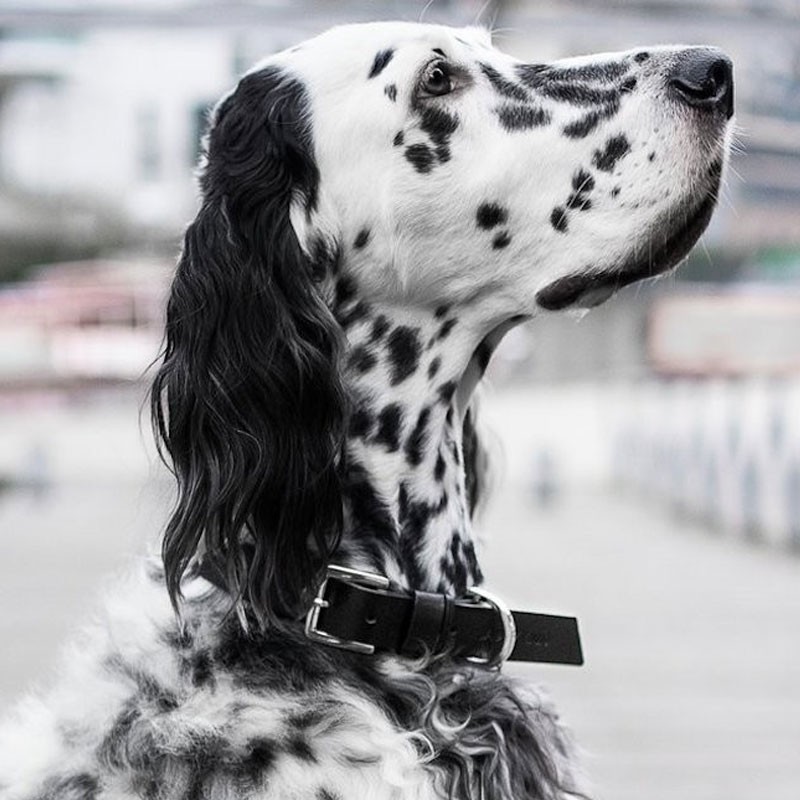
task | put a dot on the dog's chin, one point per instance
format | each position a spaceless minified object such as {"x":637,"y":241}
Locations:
{"x":664,"y":250}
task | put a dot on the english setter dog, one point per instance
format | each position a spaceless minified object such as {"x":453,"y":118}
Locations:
{"x":379,"y":205}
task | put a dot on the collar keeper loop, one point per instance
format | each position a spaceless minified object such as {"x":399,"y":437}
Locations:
{"x":429,"y":626}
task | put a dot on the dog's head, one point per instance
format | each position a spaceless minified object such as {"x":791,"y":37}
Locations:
{"x":448,"y":168}
{"x":430,"y":168}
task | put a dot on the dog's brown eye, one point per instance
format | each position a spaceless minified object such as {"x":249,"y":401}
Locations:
{"x":436,"y":80}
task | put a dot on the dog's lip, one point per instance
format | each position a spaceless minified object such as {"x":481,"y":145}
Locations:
{"x":588,"y":289}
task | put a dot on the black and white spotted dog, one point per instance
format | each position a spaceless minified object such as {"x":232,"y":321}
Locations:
{"x":379,"y":205}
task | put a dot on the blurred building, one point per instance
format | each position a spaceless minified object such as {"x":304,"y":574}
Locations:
{"x":106,"y":101}
{"x":81,"y":325}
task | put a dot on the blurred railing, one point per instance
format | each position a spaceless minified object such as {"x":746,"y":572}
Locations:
{"x":726,"y":452}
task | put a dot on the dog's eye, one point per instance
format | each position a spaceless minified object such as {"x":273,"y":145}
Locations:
{"x":436,"y":80}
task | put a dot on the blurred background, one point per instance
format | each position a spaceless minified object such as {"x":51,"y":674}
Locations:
{"x":652,"y":448}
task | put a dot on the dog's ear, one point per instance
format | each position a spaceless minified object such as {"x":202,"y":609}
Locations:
{"x":248,"y":401}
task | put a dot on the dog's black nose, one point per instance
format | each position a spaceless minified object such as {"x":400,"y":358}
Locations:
{"x":702,"y":77}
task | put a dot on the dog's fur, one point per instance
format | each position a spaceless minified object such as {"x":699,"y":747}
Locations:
{"x":379,"y":205}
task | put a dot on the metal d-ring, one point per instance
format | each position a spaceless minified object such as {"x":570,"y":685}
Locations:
{"x":509,"y":629}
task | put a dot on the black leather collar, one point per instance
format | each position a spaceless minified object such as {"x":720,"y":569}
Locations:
{"x":359,"y":611}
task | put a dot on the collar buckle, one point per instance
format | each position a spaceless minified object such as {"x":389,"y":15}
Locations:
{"x":370,"y":580}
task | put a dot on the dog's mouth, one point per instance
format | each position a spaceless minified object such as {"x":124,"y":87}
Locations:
{"x":588,"y":289}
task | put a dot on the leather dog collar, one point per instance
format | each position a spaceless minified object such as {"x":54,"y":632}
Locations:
{"x":358,"y":611}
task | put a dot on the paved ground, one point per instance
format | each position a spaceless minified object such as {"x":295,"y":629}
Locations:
{"x":692,"y":687}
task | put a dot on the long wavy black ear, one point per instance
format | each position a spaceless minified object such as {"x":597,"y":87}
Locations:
{"x":248,"y":401}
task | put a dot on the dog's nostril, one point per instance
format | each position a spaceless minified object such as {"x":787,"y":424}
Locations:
{"x":703,"y":78}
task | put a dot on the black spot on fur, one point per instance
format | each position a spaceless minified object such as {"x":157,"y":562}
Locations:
{"x":582,"y":184}
{"x":439,"y":468}
{"x":418,"y":437}
{"x":443,"y":153}
{"x":579,"y":201}
{"x":439,"y":51}
{"x":373,"y":527}
{"x":361,"y":422}
{"x":651,"y":156}
{"x":433,"y":367}
{"x":565,"y":84}
{"x":582,"y":181}
{"x":440,"y":126}
{"x":414,"y":517}
{"x":581,"y":128}
{"x":390,"y":421}
{"x":640,"y":57}
{"x":503,"y":85}
{"x":362,"y":359}
{"x":586,"y":124}
{"x":299,"y":747}
{"x":522,"y":118}
{"x":455,"y":569}
{"x":615,"y":149}
{"x":345,"y":290}
{"x":404,"y":351}
{"x":615,"y":191}
{"x":628,"y":85}
{"x":399,"y":138}
{"x":593,"y":73}
{"x":420,"y":156}
{"x":358,"y":312}
{"x":501,"y":240}
{"x":260,"y":759}
{"x":391,"y":92}
{"x":558,"y":219}
{"x":202,"y":669}
{"x":577,"y":94}
{"x":441,"y":310}
{"x":324,"y":258}
{"x":179,"y":637}
{"x":445,"y":328}
{"x":379,"y":327}
{"x":490,"y":214}
{"x":307,"y":718}
{"x":379,"y":64}
{"x":471,"y":559}
{"x":446,"y":391}
{"x":361,"y":239}
{"x":531,"y":74}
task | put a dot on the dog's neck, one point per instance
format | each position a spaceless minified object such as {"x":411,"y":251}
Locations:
{"x":409,"y":494}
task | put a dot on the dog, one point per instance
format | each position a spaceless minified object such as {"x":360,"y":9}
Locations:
{"x":379,"y":205}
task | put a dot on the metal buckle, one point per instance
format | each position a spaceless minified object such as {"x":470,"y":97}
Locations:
{"x":370,"y":580}
{"x":509,"y":629}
